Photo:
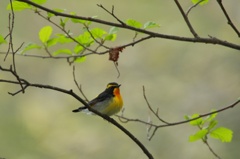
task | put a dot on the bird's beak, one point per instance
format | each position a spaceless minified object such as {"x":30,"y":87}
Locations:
{"x":119,"y":85}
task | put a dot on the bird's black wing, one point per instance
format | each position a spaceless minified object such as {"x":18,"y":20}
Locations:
{"x":101,"y":97}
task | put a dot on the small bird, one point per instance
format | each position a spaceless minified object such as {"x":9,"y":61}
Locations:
{"x":109,"y":102}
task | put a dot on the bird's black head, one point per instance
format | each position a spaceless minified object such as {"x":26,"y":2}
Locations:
{"x":113,"y":85}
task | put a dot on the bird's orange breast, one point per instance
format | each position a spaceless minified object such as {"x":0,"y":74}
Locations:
{"x":118,"y":97}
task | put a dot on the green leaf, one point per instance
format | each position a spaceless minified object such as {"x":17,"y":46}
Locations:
{"x":134,"y":23}
{"x":45,"y":33}
{"x":223,"y":134}
{"x":187,"y":117}
{"x":98,"y":33}
{"x":63,"y":22}
{"x":212,"y":124}
{"x":2,"y":40}
{"x":30,"y":46}
{"x":39,"y":1}
{"x":212,"y":116}
{"x":149,"y":25}
{"x":199,"y":135}
{"x":78,"y":49}
{"x":62,"y":51}
{"x":18,"y":6}
{"x":113,"y":30}
{"x":63,"y":39}
{"x":74,"y":20}
{"x":80,"y":59}
{"x":197,"y":121}
{"x":110,"y":37}
{"x":52,"y":41}
{"x":201,"y":3}
{"x":85,"y":39}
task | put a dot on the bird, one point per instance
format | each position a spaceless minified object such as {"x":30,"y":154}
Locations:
{"x":109,"y":102}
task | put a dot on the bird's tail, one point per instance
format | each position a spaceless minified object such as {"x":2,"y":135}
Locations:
{"x":79,"y":109}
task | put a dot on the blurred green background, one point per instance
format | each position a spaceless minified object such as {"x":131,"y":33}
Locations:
{"x":180,"y":79}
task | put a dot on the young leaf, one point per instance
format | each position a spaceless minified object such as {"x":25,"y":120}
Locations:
{"x":201,"y":3}
{"x":222,"y":134}
{"x":98,"y":33}
{"x":62,"y":51}
{"x":113,"y":30}
{"x":199,"y":135}
{"x":30,"y":46}
{"x":134,"y":23}
{"x":2,"y":40}
{"x":62,"y":39}
{"x":18,"y":6}
{"x":80,"y":59}
{"x":74,"y":20}
{"x":52,"y":41}
{"x":187,"y":117}
{"x":78,"y":21}
{"x":45,"y":33}
{"x":197,"y":121}
{"x":39,"y":1}
{"x":149,"y":25}
{"x":110,"y":37}
{"x":63,"y":22}
{"x":212,"y":124}
{"x":78,"y":49}
{"x":85,"y":39}
{"x":211,"y":117}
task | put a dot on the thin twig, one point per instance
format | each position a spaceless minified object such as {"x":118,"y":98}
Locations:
{"x":11,"y":20}
{"x":150,"y":108}
{"x":86,"y":54}
{"x":11,"y":47}
{"x":186,"y":19}
{"x":126,"y":120}
{"x":156,"y":127}
{"x":65,"y":31}
{"x":211,"y":150}
{"x":116,"y":66}
{"x":203,"y":115}
{"x":111,"y":13}
{"x":195,"y":5}
{"x":100,"y":43}
{"x":228,"y":18}
{"x":150,"y":33}
{"x":78,"y":85}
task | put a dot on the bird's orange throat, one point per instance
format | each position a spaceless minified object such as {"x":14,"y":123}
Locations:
{"x":118,"y":95}
{"x":116,"y":92}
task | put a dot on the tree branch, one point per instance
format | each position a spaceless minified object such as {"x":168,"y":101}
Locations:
{"x":111,"y":13}
{"x":71,"y":93}
{"x":167,"y":124}
{"x":228,"y":18}
{"x":152,"y":34}
{"x":150,"y":108}
{"x":195,"y":5}
{"x":186,"y":19}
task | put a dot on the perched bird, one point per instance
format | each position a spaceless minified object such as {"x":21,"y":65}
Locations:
{"x":109,"y":102}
